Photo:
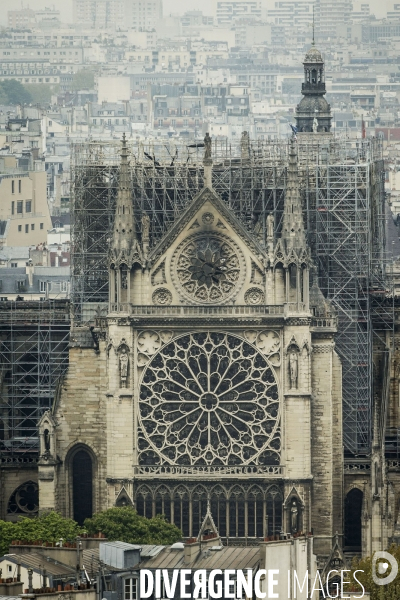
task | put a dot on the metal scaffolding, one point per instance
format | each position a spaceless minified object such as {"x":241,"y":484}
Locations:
{"x":34,"y":339}
{"x":343,"y":194}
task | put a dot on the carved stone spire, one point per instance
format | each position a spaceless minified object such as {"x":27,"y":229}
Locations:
{"x":293,"y":235}
{"x":125,"y":247}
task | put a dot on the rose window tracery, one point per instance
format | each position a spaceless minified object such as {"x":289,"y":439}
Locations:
{"x":25,"y":499}
{"x":209,"y":399}
{"x":208,"y":268}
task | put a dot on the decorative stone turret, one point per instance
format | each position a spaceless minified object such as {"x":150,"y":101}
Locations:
{"x":291,"y":258}
{"x":313,"y":113}
{"x":126,"y":251}
{"x":293,"y":235}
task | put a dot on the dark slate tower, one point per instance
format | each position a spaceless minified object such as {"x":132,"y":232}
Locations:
{"x":313,"y":105}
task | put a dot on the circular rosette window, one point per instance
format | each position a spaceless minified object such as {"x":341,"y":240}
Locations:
{"x":208,"y":268}
{"x":209,"y":399}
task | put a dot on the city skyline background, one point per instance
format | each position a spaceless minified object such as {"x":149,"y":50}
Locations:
{"x":378,"y":7}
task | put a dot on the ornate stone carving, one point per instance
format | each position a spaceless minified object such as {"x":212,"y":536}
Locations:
{"x":145,"y":226}
{"x":254,"y":296}
{"x":268,"y":341}
{"x":294,"y":517}
{"x":257,"y":276}
{"x":207,"y":146}
{"x":25,"y":499}
{"x":235,"y":223}
{"x":142,"y":359}
{"x":220,"y":224}
{"x":293,"y":368}
{"x":209,"y":399}
{"x":149,"y":342}
{"x":162,"y":296}
{"x":195,"y":225}
{"x":270,"y":225}
{"x":208,"y":218}
{"x":158,"y":277}
{"x":251,"y":335}
{"x":123,"y":364}
{"x":208,"y":268}
{"x":166,"y":335}
{"x":320,"y":349}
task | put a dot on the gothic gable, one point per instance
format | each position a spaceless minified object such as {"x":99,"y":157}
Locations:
{"x":190,"y":220}
{"x":208,"y":257}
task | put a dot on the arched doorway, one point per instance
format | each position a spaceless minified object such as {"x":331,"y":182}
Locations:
{"x":82,"y":486}
{"x":352,"y":519}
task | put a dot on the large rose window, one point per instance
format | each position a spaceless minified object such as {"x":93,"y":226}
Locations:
{"x":208,"y":268}
{"x":209,"y":399}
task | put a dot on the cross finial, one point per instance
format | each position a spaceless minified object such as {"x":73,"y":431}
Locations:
{"x":313,"y":26}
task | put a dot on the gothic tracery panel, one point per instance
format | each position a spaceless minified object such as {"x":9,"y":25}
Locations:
{"x":228,"y":503}
{"x":209,"y":399}
{"x":208,"y":268}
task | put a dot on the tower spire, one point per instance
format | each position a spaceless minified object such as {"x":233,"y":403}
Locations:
{"x":124,"y":235}
{"x":293,"y":235}
{"x":313,"y":25}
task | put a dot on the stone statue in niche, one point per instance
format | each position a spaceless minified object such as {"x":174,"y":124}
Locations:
{"x":145,"y":226}
{"x":315,"y":125}
{"x":46,"y":439}
{"x":293,"y":368}
{"x":123,"y":365}
{"x":207,"y":147}
{"x":294,"y":517}
{"x":270,"y":225}
{"x":245,"y":145}
{"x":377,"y":477}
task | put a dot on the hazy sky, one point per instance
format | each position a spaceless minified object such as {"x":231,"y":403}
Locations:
{"x":379,"y":7}
{"x":66,"y":6}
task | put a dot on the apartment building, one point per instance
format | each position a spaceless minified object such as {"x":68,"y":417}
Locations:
{"x":229,"y":11}
{"x":24,"y":212}
{"x":102,"y":14}
{"x":143,"y":15}
{"x":19,"y":19}
{"x":330,"y":16}
{"x":111,"y":14}
{"x":291,"y":13}
{"x":39,"y":64}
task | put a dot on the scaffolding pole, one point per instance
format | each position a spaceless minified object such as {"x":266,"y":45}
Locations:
{"x":34,"y":339}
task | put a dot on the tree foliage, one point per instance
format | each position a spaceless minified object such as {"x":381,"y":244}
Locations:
{"x":49,"y":527}
{"x":83,"y":80}
{"x":125,"y":525}
{"x":378,"y":592}
{"x":41,"y":92}
{"x":13,"y":92}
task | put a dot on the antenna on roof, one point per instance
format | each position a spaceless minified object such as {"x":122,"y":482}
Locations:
{"x":313,"y":25}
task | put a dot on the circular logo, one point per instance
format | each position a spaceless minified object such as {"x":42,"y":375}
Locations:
{"x":381,"y":574}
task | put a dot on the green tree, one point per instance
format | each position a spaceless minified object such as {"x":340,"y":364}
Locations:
{"x":49,"y":527}
{"x":7,"y":531}
{"x":83,"y":80}
{"x":14,"y":92}
{"x":125,"y":525}
{"x":41,"y":92}
{"x":364,"y":576}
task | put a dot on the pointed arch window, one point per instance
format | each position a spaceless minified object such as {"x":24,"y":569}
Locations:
{"x":82,"y":486}
{"x":352,"y":518}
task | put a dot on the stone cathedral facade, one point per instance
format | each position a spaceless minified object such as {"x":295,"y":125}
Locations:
{"x":214,"y":378}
